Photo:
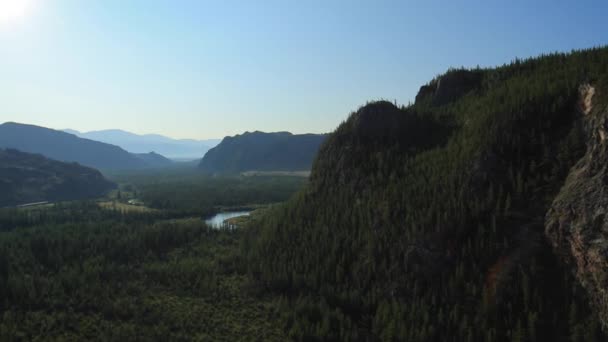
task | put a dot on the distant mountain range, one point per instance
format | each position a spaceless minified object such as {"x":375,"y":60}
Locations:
{"x":27,"y":178}
{"x":135,"y":143}
{"x":251,"y":151}
{"x":259,"y":151}
{"x":68,"y":147}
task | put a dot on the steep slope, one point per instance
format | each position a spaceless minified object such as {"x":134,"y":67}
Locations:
{"x":259,"y":151}
{"x":135,"y":143}
{"x":66,"y":147}
{"x":154,"y":160}
{"x":27,"y":178}
{"x":576,"y":224}
{"x":426,"y":223}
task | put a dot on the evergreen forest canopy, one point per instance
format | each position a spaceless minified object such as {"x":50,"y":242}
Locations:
{"x":86,"y":270}
{"x":426,"y":222}
{"x":28,"y":178}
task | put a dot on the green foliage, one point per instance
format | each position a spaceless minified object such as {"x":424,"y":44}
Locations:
{"x":110,"y":276}
{"x":83,"y":271}
{"x":421,"y":223}
{"x":190,"y":192}
{"x":28,"y":178}
{"x":419,"y":237}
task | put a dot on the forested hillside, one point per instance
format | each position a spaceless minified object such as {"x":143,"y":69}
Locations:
{"x":76,"y":272}
{"x":27,"y":178}
{"x":111,"y":271}
{"x":476,"y":213}
{"x":154,"y":159}
{"x":427,"y":222}
{"x":67,"y":147}
{"x":259,"y":151}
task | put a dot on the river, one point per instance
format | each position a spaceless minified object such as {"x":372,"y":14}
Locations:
{"x":218,"y":219}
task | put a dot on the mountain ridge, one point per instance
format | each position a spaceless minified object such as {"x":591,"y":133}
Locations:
{"x":67,"y":147}
{"x":27,"y":178}
{"x":260,"y":151}
{"x":404,"y":234}
{"x":145,"y":143}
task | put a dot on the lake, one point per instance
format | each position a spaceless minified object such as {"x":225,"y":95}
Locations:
{"x":218,"y":220}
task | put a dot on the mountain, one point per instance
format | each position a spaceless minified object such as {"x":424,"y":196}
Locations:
{"x":154,"y":159}
{"x":27,"y":178}
{"x":67,"y":147}
{"x":71,"y":131}
{"x":478,"y":213}
{"x":259,"y":151}
{"x":171,"y":148}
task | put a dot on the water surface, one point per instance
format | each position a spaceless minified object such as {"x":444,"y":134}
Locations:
{"x":218,"y":220}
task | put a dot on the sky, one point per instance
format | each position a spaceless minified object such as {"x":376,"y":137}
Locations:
{"x":206,"y":69}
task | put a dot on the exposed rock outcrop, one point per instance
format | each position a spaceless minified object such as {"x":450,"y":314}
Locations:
{"x":450,"y":86}
{"x":577,"y":223}
{"x":586,"y":93}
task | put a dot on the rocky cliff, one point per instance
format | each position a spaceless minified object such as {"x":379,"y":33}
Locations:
{"x":576,"y":224}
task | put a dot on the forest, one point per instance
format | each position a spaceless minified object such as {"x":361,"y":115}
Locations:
{"x":426,"y":222}
{"x":423,"y":222}
{"x":81,"y":271}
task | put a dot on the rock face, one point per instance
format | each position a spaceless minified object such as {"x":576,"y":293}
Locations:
{"x":450,"y":86}
{"x":577,"y":222}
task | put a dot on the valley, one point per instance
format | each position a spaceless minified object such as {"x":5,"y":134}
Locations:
{"x":109,"y":270}
{"x":475,"y":213}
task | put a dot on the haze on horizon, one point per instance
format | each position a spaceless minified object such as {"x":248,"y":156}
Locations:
{"x":207,"y":69}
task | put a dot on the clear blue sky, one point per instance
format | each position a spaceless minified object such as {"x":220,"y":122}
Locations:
{"x":206,"y":69}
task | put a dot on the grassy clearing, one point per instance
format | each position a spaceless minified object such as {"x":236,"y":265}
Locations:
{"x":125,"y":207}
{"x":276,"y":173}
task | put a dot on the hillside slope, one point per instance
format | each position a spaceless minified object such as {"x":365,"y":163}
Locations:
{"x":259,"y":151}
{"x":576,"y":224}
{"x":27,"y":178}
{"x":427,"y":222}
{"x":66,"y":147}
{"x":154,"y":160}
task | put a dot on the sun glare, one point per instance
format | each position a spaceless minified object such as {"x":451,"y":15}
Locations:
{"x":11,"y":10}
